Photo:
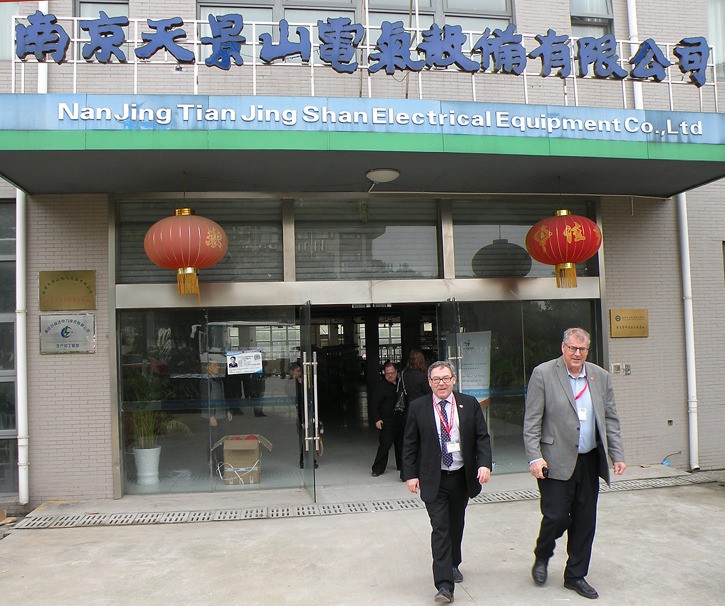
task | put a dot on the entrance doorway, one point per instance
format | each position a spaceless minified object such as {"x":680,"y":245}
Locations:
{"x":224,"y":428}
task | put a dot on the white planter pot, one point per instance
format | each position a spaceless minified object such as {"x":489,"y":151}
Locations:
{"x":147,"y":465}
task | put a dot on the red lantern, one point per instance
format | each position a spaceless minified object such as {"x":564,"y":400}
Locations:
{"x":186,"y":243}
{"x":564,"y":240}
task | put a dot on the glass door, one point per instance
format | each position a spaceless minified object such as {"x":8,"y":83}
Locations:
{"x":449,"y":327}
{"x":469,"y":353}
{"x":210,"y":397}
{"x":307,"y":405}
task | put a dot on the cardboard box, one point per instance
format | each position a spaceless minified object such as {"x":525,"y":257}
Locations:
{"x":242,"y":458}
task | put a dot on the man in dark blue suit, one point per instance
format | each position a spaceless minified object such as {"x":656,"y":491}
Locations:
{"x":447,"y":454}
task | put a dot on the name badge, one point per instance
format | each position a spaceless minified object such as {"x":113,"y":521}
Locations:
{"x":582,"y":414}
{"x":453,"y":447}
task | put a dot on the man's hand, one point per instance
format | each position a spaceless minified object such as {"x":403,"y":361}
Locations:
{"x":536,"y":468}
{"x":413,"y":484}
{"x":484,"y":475}
{"x":379,"y":424}
{"x":619,"y":468}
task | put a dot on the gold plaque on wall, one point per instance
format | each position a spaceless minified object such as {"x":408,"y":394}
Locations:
{"x":67,"y":290}
{"x":628,"y":323}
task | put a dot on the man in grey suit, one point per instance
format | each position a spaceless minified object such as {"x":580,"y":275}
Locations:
{"x":447,"y":454}
{"x":570,"y":426}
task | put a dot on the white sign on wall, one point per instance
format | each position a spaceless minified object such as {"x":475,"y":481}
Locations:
{"x":474,"y":369}
{"x":67,"y":333}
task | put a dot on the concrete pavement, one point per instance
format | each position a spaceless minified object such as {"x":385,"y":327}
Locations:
{"x":655,"y":546}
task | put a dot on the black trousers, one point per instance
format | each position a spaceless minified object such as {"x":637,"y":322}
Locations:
{"x":390,"y":435}
{"x":447,"y":515}
{"x":570,"y":506}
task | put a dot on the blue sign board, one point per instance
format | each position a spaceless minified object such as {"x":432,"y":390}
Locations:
{"x":78,"y":112}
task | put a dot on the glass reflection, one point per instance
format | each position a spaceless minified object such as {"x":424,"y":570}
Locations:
{"x":212,"y":394}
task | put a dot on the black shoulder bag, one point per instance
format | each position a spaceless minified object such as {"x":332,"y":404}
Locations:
{"x":401,"y":398}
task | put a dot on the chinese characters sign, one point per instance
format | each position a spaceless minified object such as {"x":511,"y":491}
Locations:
{"x":628,"y":323}
{"x":340,"y":43}
{"x":64,"y":333}
{"x":67,"y":290}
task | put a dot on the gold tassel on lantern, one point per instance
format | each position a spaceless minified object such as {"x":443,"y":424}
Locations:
{"x":565,"y":275}
{"x":187,"y":279}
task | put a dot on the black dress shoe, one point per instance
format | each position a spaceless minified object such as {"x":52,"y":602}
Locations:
{"x":538,"y":572}
{"x":583,"y":588}
{"x":444,"y":596}
{"x":457,"y":575}
{"x":375,"y":474}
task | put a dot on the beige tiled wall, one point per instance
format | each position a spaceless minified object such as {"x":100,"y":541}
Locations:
{"x":69,"y":395}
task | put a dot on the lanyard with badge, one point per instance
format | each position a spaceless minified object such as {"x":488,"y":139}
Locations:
{"x":581,"y":412}
{"x":451,"y":446}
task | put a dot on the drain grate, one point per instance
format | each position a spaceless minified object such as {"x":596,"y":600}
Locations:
{"x":121,"y":519}
{"x":329,"y":510}
{"x":228,"y":514}
{"x":32,"y":522}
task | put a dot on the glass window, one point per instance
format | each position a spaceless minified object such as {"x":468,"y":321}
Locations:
{"x":180,"y":392}
{"x":7,"y":10}
{"x":8,"y":467}
{"x":7,"y":405}
{"x":404,"y":5}
{"x":716,"y":32}
{"x":490,"y":238}
{"x":478,"y":6}
{"x":522,"y":335}
{"x":296,"y":16}
{"x":7,"y":292}
{"x":7,"y":346}
{"x":591,"y":18}
{"x":90,"y":10}
{"x":477,"y":24}
{"x":377,"y":18}
{"x":253,"y":227}
{"x":366,"y":239}
{"x":7,"y":228}
{"x":591,"y":8}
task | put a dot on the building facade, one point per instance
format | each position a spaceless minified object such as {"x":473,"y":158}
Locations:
{"x":267,"y":118}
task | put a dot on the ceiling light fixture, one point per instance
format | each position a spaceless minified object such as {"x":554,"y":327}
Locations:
{"x":381,"y":175}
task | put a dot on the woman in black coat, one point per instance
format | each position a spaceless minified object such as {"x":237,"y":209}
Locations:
{"x":415,"y":375}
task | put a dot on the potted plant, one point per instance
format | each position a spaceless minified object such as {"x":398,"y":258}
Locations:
{"x":145,"y":392}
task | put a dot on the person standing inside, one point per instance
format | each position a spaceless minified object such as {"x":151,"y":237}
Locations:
{"x":389,"y":425}
{"x":415,"y":375}
{"x":447,"y":455}
{"x":570,"y":426}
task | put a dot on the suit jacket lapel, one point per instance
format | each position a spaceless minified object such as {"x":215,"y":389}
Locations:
{"x":432,"y":421}
{"x":563,"y":375}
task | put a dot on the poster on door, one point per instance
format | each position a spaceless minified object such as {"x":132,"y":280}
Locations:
{"x":244,"y":362}
{"x":474,"y":367}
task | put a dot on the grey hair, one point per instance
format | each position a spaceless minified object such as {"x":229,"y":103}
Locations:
{"x":441,"y":364}
{"x":580,"y":333}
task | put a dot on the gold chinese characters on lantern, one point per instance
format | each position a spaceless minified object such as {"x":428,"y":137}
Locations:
{"x":563,"y":241}
{"x":185,"y":242}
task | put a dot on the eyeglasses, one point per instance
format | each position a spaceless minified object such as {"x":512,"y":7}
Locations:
{"x":437,"y":380}
{"x":572,"y":349}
